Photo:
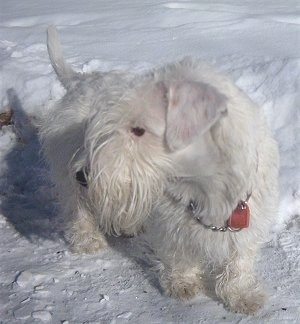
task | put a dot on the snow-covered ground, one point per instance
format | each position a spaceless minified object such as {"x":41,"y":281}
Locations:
{"x":256,"y":42}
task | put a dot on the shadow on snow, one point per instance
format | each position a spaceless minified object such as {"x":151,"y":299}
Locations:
{"x":27,"y":199}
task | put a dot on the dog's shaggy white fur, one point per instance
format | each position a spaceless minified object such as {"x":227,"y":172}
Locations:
{"x":160,"y":151}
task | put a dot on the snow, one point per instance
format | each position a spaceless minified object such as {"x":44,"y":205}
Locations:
{"x":256,"y":42}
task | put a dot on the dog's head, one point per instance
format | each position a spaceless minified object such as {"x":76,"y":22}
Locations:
{"x":131,"y":146}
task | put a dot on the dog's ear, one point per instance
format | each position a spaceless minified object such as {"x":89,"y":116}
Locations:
{"x":193,"y":108}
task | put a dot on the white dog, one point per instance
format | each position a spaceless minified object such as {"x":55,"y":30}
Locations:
{"x":180,"y":151}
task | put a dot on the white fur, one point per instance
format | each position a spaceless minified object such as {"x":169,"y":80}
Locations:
{"x":204,"y":141}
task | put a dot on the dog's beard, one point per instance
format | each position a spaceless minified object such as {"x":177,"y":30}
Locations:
{"x":124,"y":182}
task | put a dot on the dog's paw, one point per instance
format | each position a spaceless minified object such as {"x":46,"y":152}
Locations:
{"x":243,"y":298}
{"x":89,"y":246}
{"x":85,"y":237}
{"x":180,"y":290}
{"x":181,"y":286}
{"x":247,"y":302}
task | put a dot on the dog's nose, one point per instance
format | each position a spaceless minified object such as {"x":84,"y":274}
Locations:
{"x":81,"y":177}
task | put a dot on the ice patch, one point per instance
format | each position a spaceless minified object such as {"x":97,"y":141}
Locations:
{"x":27,"y":278}
{"x":103,"y":298}
{"x":24,"y":278}
{"x":22,"y":313}
{"x":42,"y":315}
{"x":125,"y":315}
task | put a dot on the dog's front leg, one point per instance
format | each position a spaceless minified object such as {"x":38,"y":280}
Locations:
{"x":238,"y":286}
{"x":181,"y":281}
{"x":84,"y":234}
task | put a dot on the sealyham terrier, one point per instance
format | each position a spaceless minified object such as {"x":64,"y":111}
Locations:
{"x":180,"y":152}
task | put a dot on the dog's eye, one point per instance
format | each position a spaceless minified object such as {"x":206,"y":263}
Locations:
{"x":138,"y":131}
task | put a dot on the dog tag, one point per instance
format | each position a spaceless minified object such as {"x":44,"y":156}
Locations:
{"x":240,"y":216}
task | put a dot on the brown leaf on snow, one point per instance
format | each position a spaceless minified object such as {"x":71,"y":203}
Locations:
{"x":6,"y":118}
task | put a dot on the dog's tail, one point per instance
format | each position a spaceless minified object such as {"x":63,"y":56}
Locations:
{"x":64,"y":71}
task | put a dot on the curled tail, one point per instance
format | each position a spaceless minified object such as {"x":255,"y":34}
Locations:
{"x":63,"y":70}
